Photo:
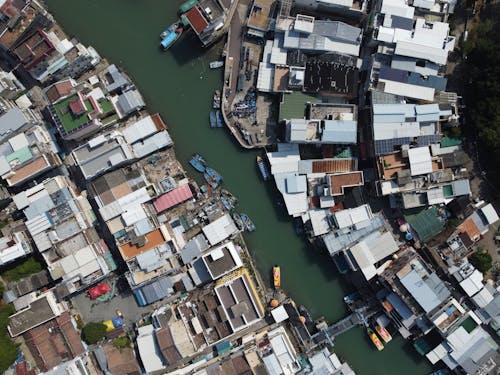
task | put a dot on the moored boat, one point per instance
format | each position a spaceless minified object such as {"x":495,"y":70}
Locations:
{"x":277,"y":277}
{"x":171,"y":35}
{"x":238,"y":221}
{"x":386,"y":336}
{"x":198,"y":162}
{"x":218,"y":119}
{"x":216,"y":100}
{"x":226,"y":203}
{"x":213,"y":119}
{"x":263,"y":168}
{"x":212,"y":177}
{"x":249,"y":225}
{"x":216,"y":64}
{"x":376,"y":341}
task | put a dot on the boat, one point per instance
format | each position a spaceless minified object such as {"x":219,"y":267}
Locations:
{"x":277,"y":277}
{"x":238,"y":221}
{"x":219,"y":121}
{"x":226,"y":203}
{"x":232,"y":199}
{"x":249,"y":225}
{"x":171,"y":35}
{"x":263,"y":168}
{"x":386,"y":336}
{"x":216,"y":64}
{"x":198,"y":162}
{"x":213,"y":119}
{"x":376,"y":341}
{"x":187,"y":5}
{"x":216,"y":100}
{"x":298,"y":226}
{"x":213,"y":177}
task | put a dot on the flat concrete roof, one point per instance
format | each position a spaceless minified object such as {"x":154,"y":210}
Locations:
{"x":38,"y":312}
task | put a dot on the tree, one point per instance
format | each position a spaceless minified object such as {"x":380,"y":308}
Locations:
{"x":481,"y":260}
{"x":121,"y":342}
{"x":23,"y":269}
{"x":93,"y":332}
{"x":8,"y":352}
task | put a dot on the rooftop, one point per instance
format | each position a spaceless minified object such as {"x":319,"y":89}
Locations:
{"x":71,"y":121}
{"x":141,"y":244}
{"x":260,"y":14}
{"x":222,"y":260}
{"x":196,"y":19}
{"x":39,"y":311}
{"x":338,"y":182}
{"x":173,"y":198}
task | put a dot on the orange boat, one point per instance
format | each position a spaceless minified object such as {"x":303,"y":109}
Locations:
{"x":376,"y":341}
{"x":386,"y":336}
{"x":276,"y":277}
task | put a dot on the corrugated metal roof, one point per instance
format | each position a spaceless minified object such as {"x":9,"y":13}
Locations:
{"x":426,"y":292}
{"x":340,"y":131}
{"x":173,"y":197}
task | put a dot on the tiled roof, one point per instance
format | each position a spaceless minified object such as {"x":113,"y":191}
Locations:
{"x":59,"y":90}
{"x":151,"y":240}
{"x":333,"y":166}
{"x":339,"y":181}
{"x":470,"y":228}
{"x":196,"y":19}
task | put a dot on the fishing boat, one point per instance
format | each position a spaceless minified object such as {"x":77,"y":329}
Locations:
{"x":213,"y":119}
{"x":238,"y":221}
{"x":171,"y":35}
{"x":198,"y":162}
{"x":226,"y":203}
{"x":249,"y":225}
{"x":219,"y":121}
{"x":386,"y":336}
{"x":376,"y":341}
{"x":216,"y":100}
{"x":216,"y":64}
{"x":277,"y":277}
{"x":230,"y":197}
{"x":212,"y":177}
{"x":263,"y":168}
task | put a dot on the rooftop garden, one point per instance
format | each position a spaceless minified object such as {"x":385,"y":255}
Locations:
{"x":68,"y":120}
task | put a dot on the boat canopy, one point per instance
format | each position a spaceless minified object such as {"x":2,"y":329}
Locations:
{"x":169,"y":39}
{"x":188,"y":5}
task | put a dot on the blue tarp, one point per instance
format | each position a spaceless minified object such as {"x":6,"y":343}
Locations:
{"x":117,"y":322}
{"x":169,"y":39}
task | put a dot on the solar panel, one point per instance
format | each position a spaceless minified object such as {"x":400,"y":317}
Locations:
{"x":386,"y":146}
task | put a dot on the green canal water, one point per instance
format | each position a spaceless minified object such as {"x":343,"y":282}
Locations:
{"x":179,"y":84}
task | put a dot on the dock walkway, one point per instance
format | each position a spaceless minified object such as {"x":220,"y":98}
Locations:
{"x":328,"y":334}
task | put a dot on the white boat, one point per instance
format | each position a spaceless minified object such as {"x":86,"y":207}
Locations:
{"x":216,"y":64}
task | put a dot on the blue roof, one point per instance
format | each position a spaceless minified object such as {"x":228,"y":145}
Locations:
{"x":398,"y":304}
{"x":340,"y":131}
{"x":157,"y":290}
{"x":412,"y":78}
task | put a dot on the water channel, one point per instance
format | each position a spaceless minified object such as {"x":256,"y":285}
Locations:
{"x":179,"y":84}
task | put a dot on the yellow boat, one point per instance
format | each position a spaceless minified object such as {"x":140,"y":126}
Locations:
{"x":276,"y":277}
{"x":376,"y":341}
{"x":386,"y":336}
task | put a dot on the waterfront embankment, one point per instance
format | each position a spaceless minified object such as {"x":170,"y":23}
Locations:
{"x":179,"y":84}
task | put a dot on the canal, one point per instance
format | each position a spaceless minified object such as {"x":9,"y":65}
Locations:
{"x":179,"y":84}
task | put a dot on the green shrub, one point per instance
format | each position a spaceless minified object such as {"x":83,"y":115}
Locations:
{"x":121,"y":342}
{"x":481,"y":260}
{"x":26,"y":268}
{"x":93,"y":332}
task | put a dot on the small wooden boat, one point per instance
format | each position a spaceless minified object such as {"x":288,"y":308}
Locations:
{"x":376,"y":341}
{"x":277,"y":277}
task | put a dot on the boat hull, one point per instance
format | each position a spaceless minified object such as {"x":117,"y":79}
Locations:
{"x":277,"y":277}
{"x":382,"y":332}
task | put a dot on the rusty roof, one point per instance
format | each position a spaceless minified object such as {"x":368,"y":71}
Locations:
{"x":334,"y":165}
{"x":470,"y":228}
{"x":59,"y":90}
{"x":196,"y":19}
{"x":151,"y":240}
{"x":32,"y":168}
{"x":340,"y":181}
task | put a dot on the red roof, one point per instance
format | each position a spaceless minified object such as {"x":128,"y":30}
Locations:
{"x":196,"y":20}
{"x":98,"y":290}
{"x":77,"y":106}
{"x":172,"y":198}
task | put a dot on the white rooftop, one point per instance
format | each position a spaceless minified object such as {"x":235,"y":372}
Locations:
{"x":359,"y":217}
{"x":148,"y":349}
{"x":420,"y":160}
{"x":279,"y":314}
{"x":219,"y":229}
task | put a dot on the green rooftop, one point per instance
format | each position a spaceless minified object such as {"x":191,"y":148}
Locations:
{"x":22,"y":155}
{"x":69,"y":121}
{"x":469,"y":324}
{"x":449,"y":142}
{"x":294,"y":105}
{"x":106,"y":106}
{"x":448,"y":191}
{"x":426,"y":223}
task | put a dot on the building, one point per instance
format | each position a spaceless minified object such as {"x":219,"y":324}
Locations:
{"x":117,"y":361}
{"x":280,"y":356}
{"x":239,"y":299}
{"x":260,"y":17}
{"x":206,"y":18}
{"x":12,"y":122}
{"x":222,"y":260}
{"x":79,"y":115}
{"x":340,"y":7}
{"x":128,"y":102}
{"x":115,"y":80}
{"x":14,"y":246}
{"x":40,"y":310}
{"x":54,"y":342}
{"x":60,"y":90}
{"x":220,"y":229}
{"x":27,"y":155}
{"x":10,"y":87}
{"x":61,"y":224}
